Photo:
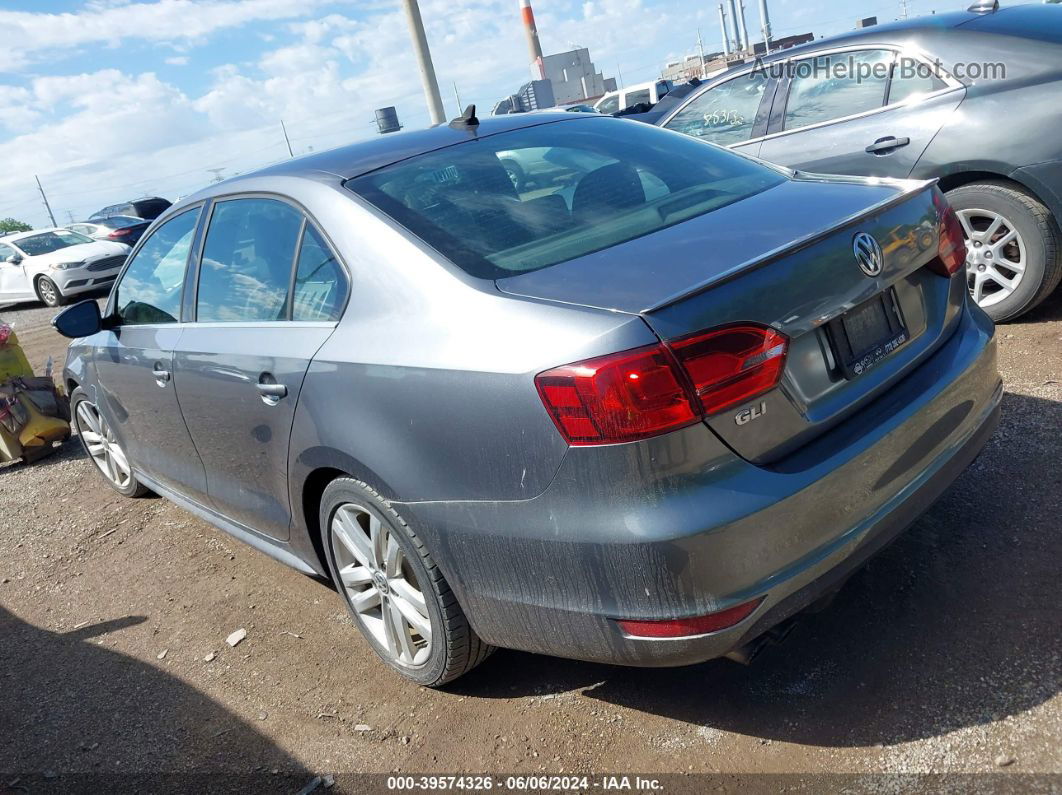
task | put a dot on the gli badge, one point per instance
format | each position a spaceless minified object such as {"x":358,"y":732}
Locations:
{"x":745,"y":416}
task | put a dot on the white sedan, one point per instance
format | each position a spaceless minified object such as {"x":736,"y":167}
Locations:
{"x":53,"y":264}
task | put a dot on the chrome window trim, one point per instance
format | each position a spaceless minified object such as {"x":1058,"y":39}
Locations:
{"x":897,"y":50}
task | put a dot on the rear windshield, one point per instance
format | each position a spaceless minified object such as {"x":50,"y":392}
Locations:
{"x":523,"y":200}
{"x":47,"y":242}
{"x":122,"y":221}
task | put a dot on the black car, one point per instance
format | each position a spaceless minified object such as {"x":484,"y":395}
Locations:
{"x":970,"y":98}
{"x":148,"y":208}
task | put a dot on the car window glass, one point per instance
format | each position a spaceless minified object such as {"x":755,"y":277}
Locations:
{"x":636,"y":97}
{"x":724,"y":114}
{"x":834,"y":86}
{"x":911,"y":78}
{"x":47,"y":242}
{"x":320,"y":283}
{"x":580,"y":187}
{"x":609,"y":104}
{"x":247,"y":260}
{"x":150,"y":288}
{"x":6,"y":252}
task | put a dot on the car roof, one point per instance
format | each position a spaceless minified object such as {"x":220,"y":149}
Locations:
{"x":19,"y":235}
{"x":362,"y":157}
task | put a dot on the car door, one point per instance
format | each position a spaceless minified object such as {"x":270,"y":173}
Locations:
{"x":868,"y":112}
{"x":14,"y":283}
{"x":729,"y":113}
{"x":134,"y":360}
{"x":239,"y":367}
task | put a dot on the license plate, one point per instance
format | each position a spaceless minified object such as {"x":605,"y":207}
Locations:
{"x":867,"y":334}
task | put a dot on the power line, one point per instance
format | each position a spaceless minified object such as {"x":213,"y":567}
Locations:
{"x":47,"y":206}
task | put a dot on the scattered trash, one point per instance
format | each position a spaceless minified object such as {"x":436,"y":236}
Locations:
{"x":82,"y":624}
{"x":363,"y":727}
{"x":330,"y":715}
{"x":104,"y":535}
{"x":210,"y":657}
{"x":405,"y":740}
{"x":161,"y":655}
{"x":236,"y":637}
{"x":263,"y":715}
{"x":293,"y":634}
{"x":1003,"y":760}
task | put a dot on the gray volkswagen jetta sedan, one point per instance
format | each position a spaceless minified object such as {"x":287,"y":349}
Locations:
{"x":641,"y":413}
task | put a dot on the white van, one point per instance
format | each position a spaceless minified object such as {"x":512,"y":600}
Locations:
{"x":632,"y":95}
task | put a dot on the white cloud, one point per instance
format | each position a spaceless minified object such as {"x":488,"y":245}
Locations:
{"x":177,"y":60}
{"x":29,"y":36}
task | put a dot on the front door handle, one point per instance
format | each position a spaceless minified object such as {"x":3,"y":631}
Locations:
{"x":270,"y":390}
{"x":884,"y":146}
{"x":162,"y":375}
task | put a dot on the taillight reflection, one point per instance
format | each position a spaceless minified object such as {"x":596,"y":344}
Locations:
{"x":951,"y":250}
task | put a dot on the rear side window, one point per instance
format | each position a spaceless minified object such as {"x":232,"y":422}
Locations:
{"x":636,"y":97}
{"x":609,"y":104}
{"x":582,"y":186}
{"x":320,"y":283}
{"x":912,"y":78}
{"x":724,"y":114}
{"x":150,"y":288}
{"x":247,"y":259}
{"x":834,"y":86}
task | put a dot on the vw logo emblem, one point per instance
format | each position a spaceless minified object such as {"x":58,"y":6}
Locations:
{"x":868,"y":254}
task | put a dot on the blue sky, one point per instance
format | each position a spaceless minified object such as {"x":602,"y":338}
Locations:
{"x":107,"y":100}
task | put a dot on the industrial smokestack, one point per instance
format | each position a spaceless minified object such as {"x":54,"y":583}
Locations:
{"x":741,"y":25}
{"x":722,"y":27}
{"x":765,"y":26}
{"x":735,"y":37}
{"x":537,"y":70}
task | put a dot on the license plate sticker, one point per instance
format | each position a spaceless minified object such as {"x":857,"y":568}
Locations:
{"x":864,"y":336}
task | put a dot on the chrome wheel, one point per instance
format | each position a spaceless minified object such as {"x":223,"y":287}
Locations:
{"x":103,"y":448}
{"x":381,"y":585}
{"x":995,"y":255}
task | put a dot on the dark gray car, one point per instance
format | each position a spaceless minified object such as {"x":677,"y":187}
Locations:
{"x":969,"y":98}
{"x":641,"y":412}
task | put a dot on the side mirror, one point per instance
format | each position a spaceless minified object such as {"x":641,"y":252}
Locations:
{"x":79,"y":320}
{"x":14,"y":259}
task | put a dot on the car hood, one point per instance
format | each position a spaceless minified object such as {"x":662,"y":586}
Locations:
{"x":657,"y":268}
{"x":83,"y":252}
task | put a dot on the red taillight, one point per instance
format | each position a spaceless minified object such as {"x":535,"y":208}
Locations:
{"x":731,"y":365}
{"x":685,"y":627}
{"x":617,"y":398}
{"x":636,"y":394}
{"x":117,"y":233}
{"x":951,"y":250}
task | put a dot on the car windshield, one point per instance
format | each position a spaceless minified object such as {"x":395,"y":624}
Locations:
{"x":523,"y":200}
{"x":47,"y":242}
{"x":121,"y":221}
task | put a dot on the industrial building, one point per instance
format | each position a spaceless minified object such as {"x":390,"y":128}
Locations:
{"x":691,"y":65}
{"x":574,"y":77}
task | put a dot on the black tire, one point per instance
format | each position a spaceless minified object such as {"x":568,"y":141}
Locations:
{"x":1038,"y":229}
{"x":455,"y":647}
{"x":516,"y":173}
{"x":48,"y":292}
{"x":134,"y":488}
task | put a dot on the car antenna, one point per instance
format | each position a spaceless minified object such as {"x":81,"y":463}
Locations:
{"x":466,"y":119}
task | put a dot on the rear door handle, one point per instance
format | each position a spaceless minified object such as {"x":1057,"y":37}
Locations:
{"x":161,"y":374}
{"x":883,"y":146}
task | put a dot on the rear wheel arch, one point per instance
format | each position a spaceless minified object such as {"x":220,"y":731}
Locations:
{"x":963,"y":178}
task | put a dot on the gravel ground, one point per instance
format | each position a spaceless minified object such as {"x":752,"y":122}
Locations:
{"x":941,"y":657}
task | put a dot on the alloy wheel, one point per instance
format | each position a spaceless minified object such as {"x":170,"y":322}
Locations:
{"x":996,"y":257}
{"x":380,"y":585}
{"x":102,"y":446}
{"x":48,"y":292}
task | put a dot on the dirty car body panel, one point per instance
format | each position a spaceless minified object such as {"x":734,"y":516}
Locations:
{"x":427,"y":386}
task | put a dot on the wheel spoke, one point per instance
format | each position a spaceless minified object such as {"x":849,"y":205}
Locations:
{"x":392,"y":558}
{"x":1001,"y":280}
{"x":967,"y":227}
{"x":413,"y":615}
{"x":378,"y":538}
{"x":366,"y":600}
{"x":88,"y":416}
{"x":403,"y":638}
{"x":355,"y":575}
{"x":1007,"y":238}
{"x":346,"y":528}
{"x":120,"y":460}
{"x":391,"y":631}
{"x":997,"y":221}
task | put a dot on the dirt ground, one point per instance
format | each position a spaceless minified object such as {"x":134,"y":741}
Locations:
{"x":941,"y":657}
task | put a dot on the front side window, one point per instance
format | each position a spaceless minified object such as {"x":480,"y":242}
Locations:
{"x":150,"y":288}
{"x":320,"y":283}
{"x":609,"y":104}
{"x":591,"y":183}
{"x":724,"y":114}
{"x":247,"y":259}
{"x":6,"y":253}
{"x":835,"y":86}
{"x":47,"y":242}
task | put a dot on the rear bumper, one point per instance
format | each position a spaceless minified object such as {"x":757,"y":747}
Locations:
{"x":680,"y":527}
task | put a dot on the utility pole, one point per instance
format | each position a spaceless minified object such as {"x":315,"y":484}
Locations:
{"x":619,"y":73}
{"x":765,"y":26}
{"x":700,"y":48}
{"x":460,"y":107}
{"x":286,"y":139}
{"x":903,"y":7}
{"x":47,"y":206}
{"x":722,"y":25}
{"x":427,"y":69}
